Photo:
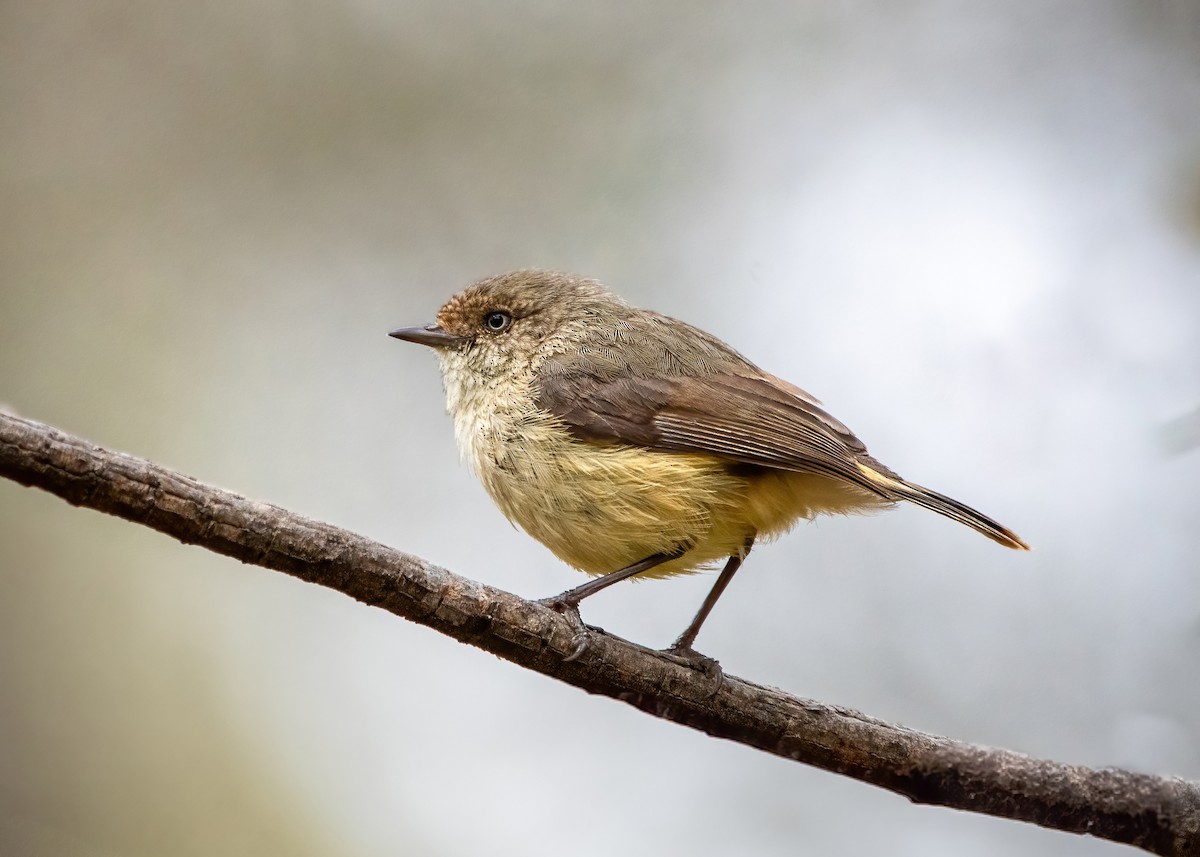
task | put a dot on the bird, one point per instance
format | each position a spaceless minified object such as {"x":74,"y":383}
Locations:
{"x":632,"y":444}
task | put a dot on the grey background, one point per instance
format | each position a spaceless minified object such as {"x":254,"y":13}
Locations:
{"x":972,"y":229}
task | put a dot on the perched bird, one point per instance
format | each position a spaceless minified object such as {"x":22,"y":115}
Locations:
{"x":630,"y":443}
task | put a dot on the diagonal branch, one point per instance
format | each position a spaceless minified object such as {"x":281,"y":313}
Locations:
{"x":1158,"y":814}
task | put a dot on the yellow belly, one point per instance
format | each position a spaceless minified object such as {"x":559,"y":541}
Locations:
{"x":601,"y":508}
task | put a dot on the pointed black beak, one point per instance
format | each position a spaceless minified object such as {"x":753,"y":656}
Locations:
{"x":429,"y":334}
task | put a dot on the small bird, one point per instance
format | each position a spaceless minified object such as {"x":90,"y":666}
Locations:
{"x":630,"y":443}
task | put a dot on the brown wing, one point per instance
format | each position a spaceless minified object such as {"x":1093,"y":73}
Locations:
{"x":732,"y":410}
{"x":682,"y":390}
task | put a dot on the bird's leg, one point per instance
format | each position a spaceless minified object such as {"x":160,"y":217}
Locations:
{"x":567,"y":602}
{"x":570,"y":599}
{"x":682,"y":649}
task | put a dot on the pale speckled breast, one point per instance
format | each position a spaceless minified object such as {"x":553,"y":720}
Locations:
{"x":597,"y":508}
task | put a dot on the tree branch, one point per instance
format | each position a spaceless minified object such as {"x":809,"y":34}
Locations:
{"x":1158,"y":814}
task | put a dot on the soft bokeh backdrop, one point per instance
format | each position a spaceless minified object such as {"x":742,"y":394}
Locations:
{"x":973,"y":230}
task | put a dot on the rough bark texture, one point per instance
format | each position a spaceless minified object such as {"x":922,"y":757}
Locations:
{"x":1158,"y":814}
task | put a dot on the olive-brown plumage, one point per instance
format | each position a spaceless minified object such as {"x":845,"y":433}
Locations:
{"x":632,"y":443}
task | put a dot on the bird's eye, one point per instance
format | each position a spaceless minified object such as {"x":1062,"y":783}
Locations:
{"x":497,"y":322}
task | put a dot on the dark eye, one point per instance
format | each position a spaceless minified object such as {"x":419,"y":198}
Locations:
{"x":497,"y":322}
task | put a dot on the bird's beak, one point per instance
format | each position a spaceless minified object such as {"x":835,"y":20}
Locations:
{"x":429,"y":334}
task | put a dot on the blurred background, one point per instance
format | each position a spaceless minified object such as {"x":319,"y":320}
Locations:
{"x":974,"y":231}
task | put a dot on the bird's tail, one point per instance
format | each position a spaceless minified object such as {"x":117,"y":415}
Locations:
{"x":943,"y":505}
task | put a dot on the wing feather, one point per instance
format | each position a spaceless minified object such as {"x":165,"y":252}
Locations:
{"x":749,"y":419}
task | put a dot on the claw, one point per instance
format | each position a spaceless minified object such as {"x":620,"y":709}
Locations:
{"x":581,"y":644}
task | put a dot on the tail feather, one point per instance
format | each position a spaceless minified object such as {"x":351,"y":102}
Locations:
{"x":944,"y":505}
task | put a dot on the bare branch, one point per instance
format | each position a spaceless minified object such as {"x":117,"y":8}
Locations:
{"x":1158,"y":814}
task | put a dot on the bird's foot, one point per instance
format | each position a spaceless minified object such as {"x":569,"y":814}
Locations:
{"x":688,"y":657}
{"x":569,"y":608}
